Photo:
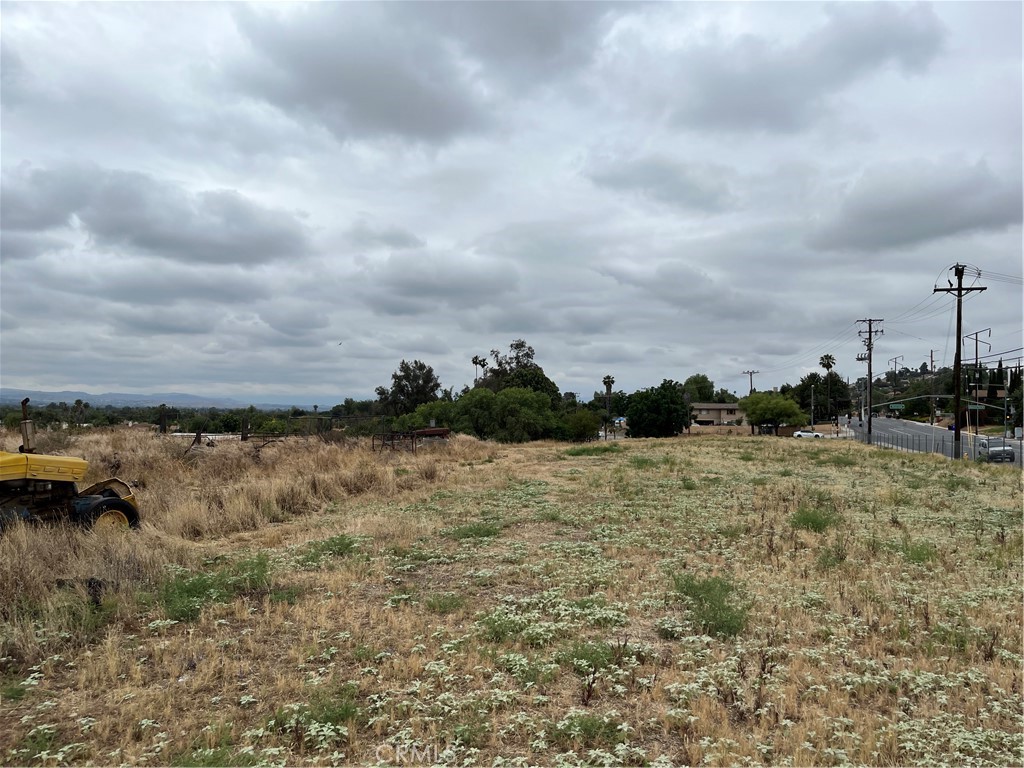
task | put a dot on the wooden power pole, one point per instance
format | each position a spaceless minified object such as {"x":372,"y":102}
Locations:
{"x":960,"y":292}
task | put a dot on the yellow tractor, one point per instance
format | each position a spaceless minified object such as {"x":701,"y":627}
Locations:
{"x":40,"y":488}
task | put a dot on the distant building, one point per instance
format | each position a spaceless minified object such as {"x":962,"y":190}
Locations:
{"x":715,"y":414}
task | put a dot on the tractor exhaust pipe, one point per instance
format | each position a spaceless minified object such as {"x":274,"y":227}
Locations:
{"x":28,"y":430}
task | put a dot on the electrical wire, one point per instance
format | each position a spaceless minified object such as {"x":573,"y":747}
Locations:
{"x":1000,"y":354}
{"x":930,"y":298}
{"x":996,"y":276}
{"x":843,"y":336}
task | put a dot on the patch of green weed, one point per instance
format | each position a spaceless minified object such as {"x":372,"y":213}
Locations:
{"x":834,"y":553}
{"x":582,"y":730}
{"x":184,"y":594}
{"x":12,"y":693}
{"x":713,"y":603}
{"x":445,"y":603}
{"x":919,"y":552}
{"x":814,"y":519}
{"x":957,"y":482}
{"x":599,"y":449}
{"x":318,"y":552}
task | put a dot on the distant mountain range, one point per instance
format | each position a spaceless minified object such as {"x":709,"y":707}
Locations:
{"x":178,"y":399}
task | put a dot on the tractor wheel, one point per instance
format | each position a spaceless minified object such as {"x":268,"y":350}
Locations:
{"x":111,"y":513}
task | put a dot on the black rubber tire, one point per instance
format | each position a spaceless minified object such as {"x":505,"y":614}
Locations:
{"x":112,"y":512}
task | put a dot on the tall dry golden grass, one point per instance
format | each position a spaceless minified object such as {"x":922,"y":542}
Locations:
{"x":199,"y":495}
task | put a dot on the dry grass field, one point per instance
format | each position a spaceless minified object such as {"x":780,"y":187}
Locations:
{"x":705,"y":600}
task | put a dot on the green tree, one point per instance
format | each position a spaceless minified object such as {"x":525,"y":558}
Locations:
{"x":724,"y":396}
{"x":658,"y":411}
{"x":534,"y":379}
{"x":475,"y":413}
{"x":770,"y":409}
{"x":444,"y":413}
{"x":581,"y":425}
{"x":620,"y":402}
{"x":517,"y":369}
{"x":1015,"y":398}
{"x":521,"y":415}
{"x":412,"y":385}
{"x":700,"y":388}
{"x":801,"y":393}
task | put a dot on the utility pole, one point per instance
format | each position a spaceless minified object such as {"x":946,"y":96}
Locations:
{"x":931,"y":359}
{"x":869,"y":342}
{"x":895,"y":375}
{"x":976,"y":376}
{"x":812,"y":407}
{"x":751,"y":375}
{"x":960,"y":291}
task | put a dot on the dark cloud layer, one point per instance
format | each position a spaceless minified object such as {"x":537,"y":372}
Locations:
{"x":753,"y":82}
{"x":131,"y":211}
{"x":350,"y":68}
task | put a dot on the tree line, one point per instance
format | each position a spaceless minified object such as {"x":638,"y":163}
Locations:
{"x":512,"y":399}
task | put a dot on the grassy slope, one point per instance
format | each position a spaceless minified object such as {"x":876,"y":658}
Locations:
{"x":704,"y":600}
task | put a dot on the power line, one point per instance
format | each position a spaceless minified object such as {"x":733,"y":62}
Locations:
{"x":836,"y":339}
{"x":936,"y":313}
{"x":1000,"y":354}
{"x":1001,"y":277}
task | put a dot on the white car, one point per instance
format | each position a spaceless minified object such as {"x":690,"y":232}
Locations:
{"x":806,"y":433}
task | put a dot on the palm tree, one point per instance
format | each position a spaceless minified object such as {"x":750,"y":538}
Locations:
{"x":828,"y":362}
{"x":478,"y":362}
{"x":608,"y":382}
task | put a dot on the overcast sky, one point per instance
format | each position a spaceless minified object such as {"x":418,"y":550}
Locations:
{"x":259,"y":201}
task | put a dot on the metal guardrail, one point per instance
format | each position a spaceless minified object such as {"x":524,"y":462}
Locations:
{"x":941,"y":444}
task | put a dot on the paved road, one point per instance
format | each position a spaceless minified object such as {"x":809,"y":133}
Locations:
{"x":914,"y":436}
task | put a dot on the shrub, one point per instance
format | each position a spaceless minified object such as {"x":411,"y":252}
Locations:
{"x":581,"y":425}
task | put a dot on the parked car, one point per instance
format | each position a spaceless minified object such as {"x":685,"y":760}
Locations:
{"x":995,"y":449}
{"x":806,"y":433}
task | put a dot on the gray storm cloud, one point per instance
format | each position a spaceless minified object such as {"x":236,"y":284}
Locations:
{"x":214,"y":195}
{"x":907,"y":203}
